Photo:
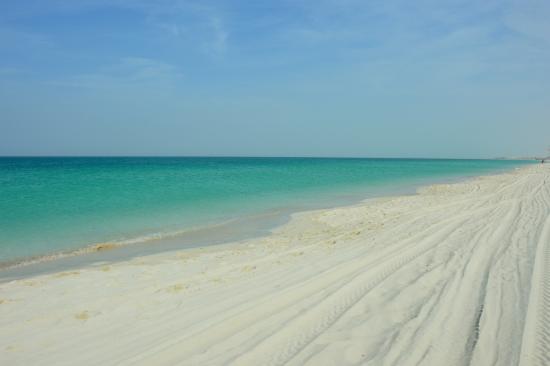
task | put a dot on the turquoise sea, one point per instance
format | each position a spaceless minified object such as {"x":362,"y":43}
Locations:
{"x":48,"y":205}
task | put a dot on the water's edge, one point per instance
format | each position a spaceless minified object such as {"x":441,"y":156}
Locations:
{"x":237,"y":229}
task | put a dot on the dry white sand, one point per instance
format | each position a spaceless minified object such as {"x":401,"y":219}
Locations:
{"x":457,"y":275}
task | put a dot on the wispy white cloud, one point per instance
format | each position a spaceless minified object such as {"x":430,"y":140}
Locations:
{"x":128,"y":72}
{"x":11,"y":37}
{"x":458,"y":39}
{"x":529,"y":18}
{"x":195,"y":23}
{"x":10,"y":71}
{"x":198,"y":23}
{"x":219,"y":38}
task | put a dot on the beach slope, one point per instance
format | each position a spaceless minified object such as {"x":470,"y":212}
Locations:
{"x":456,"y":275}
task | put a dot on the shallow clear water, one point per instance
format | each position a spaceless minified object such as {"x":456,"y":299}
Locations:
{"x":54,"y":204}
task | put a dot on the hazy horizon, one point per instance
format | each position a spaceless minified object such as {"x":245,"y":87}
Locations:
{"x":388,"y":79}
{"x":269,"y":157}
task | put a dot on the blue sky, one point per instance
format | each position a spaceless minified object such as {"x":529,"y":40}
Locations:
{"x":427,"y":78}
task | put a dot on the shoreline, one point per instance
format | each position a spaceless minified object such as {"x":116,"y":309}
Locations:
{"x":207,"y":235}
{"x":417,"y":279}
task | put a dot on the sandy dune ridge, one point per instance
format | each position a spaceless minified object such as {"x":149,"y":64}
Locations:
{"x":456,"y":275}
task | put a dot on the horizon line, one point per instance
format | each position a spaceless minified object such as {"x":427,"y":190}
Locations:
{"x":265,"y":157}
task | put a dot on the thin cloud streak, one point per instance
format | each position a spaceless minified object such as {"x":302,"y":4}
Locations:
{"x":129,"y":72}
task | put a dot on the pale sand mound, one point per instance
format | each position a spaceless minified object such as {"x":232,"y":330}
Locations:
{"x":457,"y":275}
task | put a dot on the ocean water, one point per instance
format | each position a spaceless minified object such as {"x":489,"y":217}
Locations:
{"x":49,"y":205}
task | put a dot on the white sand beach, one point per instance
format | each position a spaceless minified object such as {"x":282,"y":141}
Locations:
{"x":456,"y":275}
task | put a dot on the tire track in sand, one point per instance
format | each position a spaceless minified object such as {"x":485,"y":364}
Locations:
{"x":535,"y":350}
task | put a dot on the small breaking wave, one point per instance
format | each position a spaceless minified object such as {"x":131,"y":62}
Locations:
{"x":105,"y":246}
